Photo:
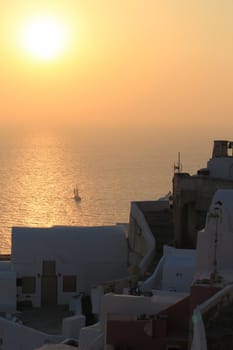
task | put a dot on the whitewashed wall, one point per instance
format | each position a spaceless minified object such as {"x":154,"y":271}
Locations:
{"x":93,"y":254}
{"x":14,"y":336}
{"x":7,"y":291}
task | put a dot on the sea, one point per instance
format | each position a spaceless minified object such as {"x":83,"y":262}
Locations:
{"x":112,"y":166}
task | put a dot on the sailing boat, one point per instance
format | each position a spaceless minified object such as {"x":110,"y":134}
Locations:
{"x":76,"y":194}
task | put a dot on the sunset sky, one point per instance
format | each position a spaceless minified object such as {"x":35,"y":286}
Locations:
{"x":159,"y":62}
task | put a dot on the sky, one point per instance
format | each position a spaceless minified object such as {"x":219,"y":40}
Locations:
{"x":147,"y":62}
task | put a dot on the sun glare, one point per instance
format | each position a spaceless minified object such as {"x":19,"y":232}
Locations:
{"x":44,"y":37}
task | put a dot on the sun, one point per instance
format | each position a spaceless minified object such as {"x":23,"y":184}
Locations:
{"x":44,"y":37}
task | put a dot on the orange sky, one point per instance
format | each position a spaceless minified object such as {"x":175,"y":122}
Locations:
{"x":154,"y":62}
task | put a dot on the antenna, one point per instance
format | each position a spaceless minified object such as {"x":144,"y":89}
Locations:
{"x":178,"y":165}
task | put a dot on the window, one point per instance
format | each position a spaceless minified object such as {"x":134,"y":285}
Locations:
{"x":69,"y":283}
{"x":28,"y":285}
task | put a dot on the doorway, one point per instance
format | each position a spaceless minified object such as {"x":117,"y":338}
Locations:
{"x":49,"y":283}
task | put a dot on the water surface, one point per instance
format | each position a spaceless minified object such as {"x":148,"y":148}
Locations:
{"x":39,"y":170}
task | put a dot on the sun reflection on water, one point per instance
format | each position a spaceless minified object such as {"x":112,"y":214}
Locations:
{"x":38,"y":187}
{"x":40,"y":169}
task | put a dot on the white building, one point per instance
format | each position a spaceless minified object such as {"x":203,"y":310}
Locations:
{"x":54,"y":264}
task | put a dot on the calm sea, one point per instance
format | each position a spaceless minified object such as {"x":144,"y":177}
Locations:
{"x":111,"y":167}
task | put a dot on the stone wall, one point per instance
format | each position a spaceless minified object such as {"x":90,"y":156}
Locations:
{"x":192,"y":196}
